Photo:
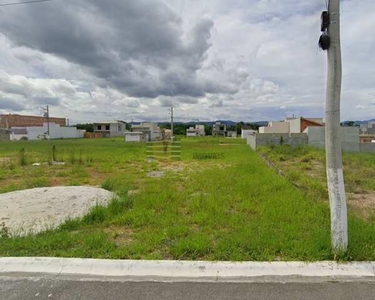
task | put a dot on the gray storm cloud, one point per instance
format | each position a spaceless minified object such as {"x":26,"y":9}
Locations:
{"x":138,"y":47}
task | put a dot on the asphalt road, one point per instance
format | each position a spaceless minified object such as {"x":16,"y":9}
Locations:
{"x":70,"y":289}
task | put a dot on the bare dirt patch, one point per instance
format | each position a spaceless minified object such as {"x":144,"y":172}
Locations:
{"x":5,"y":160}
{"x":316,"y":169}
{"x":156,"y":174}
{"x":121,"y":235}
{"x":193,"y":166}
{"x":363,"y":203}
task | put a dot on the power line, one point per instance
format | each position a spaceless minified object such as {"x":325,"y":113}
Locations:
{"x":24,"y":2}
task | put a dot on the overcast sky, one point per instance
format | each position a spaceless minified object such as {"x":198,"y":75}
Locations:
{"x":243,"y":60}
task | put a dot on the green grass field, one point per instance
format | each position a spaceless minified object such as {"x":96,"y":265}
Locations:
{"x":232,"y":208}
{"x":305,"y":167}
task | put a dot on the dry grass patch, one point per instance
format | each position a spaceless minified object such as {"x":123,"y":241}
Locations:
{"x":121,"y":235}
{"x":362,"y":204}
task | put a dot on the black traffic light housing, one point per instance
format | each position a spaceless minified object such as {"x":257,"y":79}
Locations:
{"x":324,"y":40}
{"x":324,"y":21}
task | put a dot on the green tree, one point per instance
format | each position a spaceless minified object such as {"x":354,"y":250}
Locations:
{"x":208,"y":129}
{"x":348,"y":124}
{"x":88,"y":127}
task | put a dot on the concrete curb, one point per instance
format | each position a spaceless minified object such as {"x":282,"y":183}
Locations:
{"x":185,"y":271}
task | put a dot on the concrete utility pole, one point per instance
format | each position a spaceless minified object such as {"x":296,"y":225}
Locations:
{"x":46,"y":115}
{"x":335,"y":177}
{"x":48,"y":120}
{"x":172,"y":123}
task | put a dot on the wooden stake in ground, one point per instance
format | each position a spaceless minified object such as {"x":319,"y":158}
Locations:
{"x":335,"y":178}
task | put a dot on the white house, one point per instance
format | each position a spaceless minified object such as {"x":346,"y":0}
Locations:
{"x":110,"y":128}
{"x":275,"y":127}
{"x":292,"y":125}
{"x":298,"y":125}
{"x":219,"y":129}
{"x":151,"y":131}
{"x":232,"y":134}
{"x":196,"y":131}
{"x":191,"y":132}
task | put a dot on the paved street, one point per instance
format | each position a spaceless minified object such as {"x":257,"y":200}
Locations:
{"x":70,"y":289}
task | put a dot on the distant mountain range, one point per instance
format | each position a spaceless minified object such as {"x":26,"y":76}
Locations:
{"x":358,"y":123}
{"x":362,"y":122}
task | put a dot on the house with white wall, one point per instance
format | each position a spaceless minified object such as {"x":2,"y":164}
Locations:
{"x":292,"y":125}
{"x":275,"y":127}
{"x":219,"y":129}
{"x":151,"y":131}
{"x":196,"y":131}
{"x":232,"y":134}
{"x":298,"y":125}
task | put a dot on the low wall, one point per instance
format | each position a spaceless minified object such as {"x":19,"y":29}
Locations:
{"x":275,"y":139}
{"x":349,"y":138}
{"x":251,"y":141}
{"x":93,"y":135}
{"x":314,"y":136}
{"x":4,"y":135}
{"x":367,"y":147}
{"x":55,"y":132}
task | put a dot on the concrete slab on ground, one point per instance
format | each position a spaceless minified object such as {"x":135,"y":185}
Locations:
{"x":35,"y":210}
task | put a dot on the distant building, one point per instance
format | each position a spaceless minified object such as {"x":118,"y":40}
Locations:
{"x":245,"y":131}
{"x":292,"y":125}
{"x":275,"y":127}
{"x":232,"y":134}
{"x":14,"y":120}
{"x":196,"y":131}
{"x":151,"y":131}
{"x":298,"y":125}
{"x":135,"y":136}
{"x":110,"y":128}
{"x":219,"y":129}
{"x":191,"y":132}
{"x":367,"y":138}
{"x":368,"y":128}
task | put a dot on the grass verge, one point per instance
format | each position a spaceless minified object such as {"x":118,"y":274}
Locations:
{"x":231,"y":208}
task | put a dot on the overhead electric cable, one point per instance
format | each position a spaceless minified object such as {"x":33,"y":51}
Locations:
{"x":24,"y":2}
